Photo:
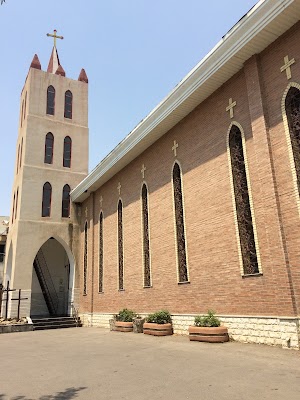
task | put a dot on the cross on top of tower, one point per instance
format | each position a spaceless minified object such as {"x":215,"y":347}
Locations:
{"x":54,"y":36}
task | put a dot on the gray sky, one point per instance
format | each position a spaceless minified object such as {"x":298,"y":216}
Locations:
{"x":134,"y":53}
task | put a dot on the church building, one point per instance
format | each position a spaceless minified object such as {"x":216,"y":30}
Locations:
{"x":197,"y":208}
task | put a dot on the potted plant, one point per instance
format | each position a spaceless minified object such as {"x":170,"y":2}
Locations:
{"x":158,"y":324}
{"x":207,"y":329}
{"x":124,"y":320}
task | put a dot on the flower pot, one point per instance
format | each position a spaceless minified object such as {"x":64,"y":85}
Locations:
{"x":157,"y":329}
{"x":121,"y":326}
{"x":208,"y":334}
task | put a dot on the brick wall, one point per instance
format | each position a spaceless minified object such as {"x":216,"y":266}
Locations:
{"x":215,"y":275}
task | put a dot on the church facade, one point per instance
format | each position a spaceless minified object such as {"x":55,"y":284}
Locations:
{"x":197,"y":208}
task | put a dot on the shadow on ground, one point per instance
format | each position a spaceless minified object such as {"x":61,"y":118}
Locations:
{"x":69,"y":393}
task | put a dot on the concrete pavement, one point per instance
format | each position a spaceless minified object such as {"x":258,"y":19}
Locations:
{"x":91,"y":363}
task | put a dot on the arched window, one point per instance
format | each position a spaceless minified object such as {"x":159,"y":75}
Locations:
{"x":179,"y":219}
{"x":292,"y":105}
{"x":22,"y":112}
{"x":49,"y":143}
{"x":120,"y":245}
{"x":146,"y":242}
{"x":25,"y":103}
{"x":68,"y":104}
{"x":50,"y":100}
{"x":65,"y":211}
{"x":46,"y":205}
{"x":18,"y":159}
{"x":242,"y":202}
{"x":67,"y":152}
{"x":85,"y":253}
{"x":101,"y":252}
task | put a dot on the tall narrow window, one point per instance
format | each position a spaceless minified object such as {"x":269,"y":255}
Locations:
{"x":68,"y":104}
{"x":18,"y":159}
{"x":46,"y":205}
{"x":49,"y":143}
{"x":101,"y":252}
{"x":21,"y":154}
{"x":85,"y":259}
{"x":146,"y":243}
{"x":242,"y":202}
{"x":50,"y":100}
{"x":13,"y":211}
{"x":292,"y":104}
{"x":25,"y":103}
{"x":67,"y":152}
{"x":65,"y":212}
{"x":22,"y":112}
{"x":16,"y":207}
{"x":179,"y":219}
{"x":120,"y":245}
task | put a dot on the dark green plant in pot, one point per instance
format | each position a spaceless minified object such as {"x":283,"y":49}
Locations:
{"x":160,"y":317}
{"x":209,"y":320}
{"x":126,"y":315}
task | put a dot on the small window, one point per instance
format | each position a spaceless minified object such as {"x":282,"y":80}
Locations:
{"x":49,"y":143}
{"x":66,"y":202}
{"x":50,"y":100}
{"x":16,"y":206}
{"x":21,"y":154}
{"x":68,"y":104}
{"x":46,"y":205}
{"x":67,"y":152}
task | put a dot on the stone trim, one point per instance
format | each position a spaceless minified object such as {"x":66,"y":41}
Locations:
{"x":272,"y":331}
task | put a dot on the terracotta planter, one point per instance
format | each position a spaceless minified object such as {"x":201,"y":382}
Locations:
{"x":212,"y":335}
{"x":123,"y":326}
{"x":157,"y":329}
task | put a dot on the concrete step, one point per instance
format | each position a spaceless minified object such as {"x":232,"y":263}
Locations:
{"x":54,"y":323}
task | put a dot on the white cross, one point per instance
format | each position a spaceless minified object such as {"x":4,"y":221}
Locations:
{"x":230,"y":107}
{"x":143,"y":171}
{"x":119,"y":187}
{"x":86,"y":211}
{"x":287,"y":66}
{"x":100,"y":201}
{"x":174,"y":148}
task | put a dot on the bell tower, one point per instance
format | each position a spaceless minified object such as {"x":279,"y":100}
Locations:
{"x":51,"y":159}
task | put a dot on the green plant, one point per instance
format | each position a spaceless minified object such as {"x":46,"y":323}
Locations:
{"x":160,"y":317}
{"x":126,"y":315}
{"x":209,"y":320}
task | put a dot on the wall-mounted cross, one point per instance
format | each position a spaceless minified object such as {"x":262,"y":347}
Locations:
{"x":143,"y":171}
{"x":101,"y":201}
{"x":287,"y":66}
{"x":86,"y":212}
{"x":119,"y":188}
{"x":230,"y":107}
{"x":174,"y":148}
{"x":55,"y":36}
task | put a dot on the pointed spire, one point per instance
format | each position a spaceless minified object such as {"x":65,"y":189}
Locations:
{"x":35,"y":63}
{"x":60,"y":71}
{"x":83,"y":76}
{"x":54,"y":61}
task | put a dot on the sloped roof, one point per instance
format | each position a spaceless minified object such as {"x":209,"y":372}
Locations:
{"x":261,"y":26}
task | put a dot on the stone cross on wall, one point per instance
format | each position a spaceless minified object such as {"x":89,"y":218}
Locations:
{"x":230,"y":107}
{"x":287,"y":66}
{"x":86,"y":212}
{"x":101,"y":201}
{"x":174,"y":148}
{"x":119,"y":188}
{"x":143,"y":171}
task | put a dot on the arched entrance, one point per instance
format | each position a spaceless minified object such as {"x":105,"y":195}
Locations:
{"x":52,"y":279}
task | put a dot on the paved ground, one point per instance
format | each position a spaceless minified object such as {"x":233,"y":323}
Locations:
{"x":90,"y":363}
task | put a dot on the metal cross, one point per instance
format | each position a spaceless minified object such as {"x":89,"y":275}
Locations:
{"x":19,"y":298}
{"x":7,"y":290}
{"x":100,"y":201}
{"x":230,"y":107}
{"x":287,"y":66}
{"x":55,"y":36}
{"x":174,"y":148}
{"x":143,"y":171}
{"x":119,"y":187}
